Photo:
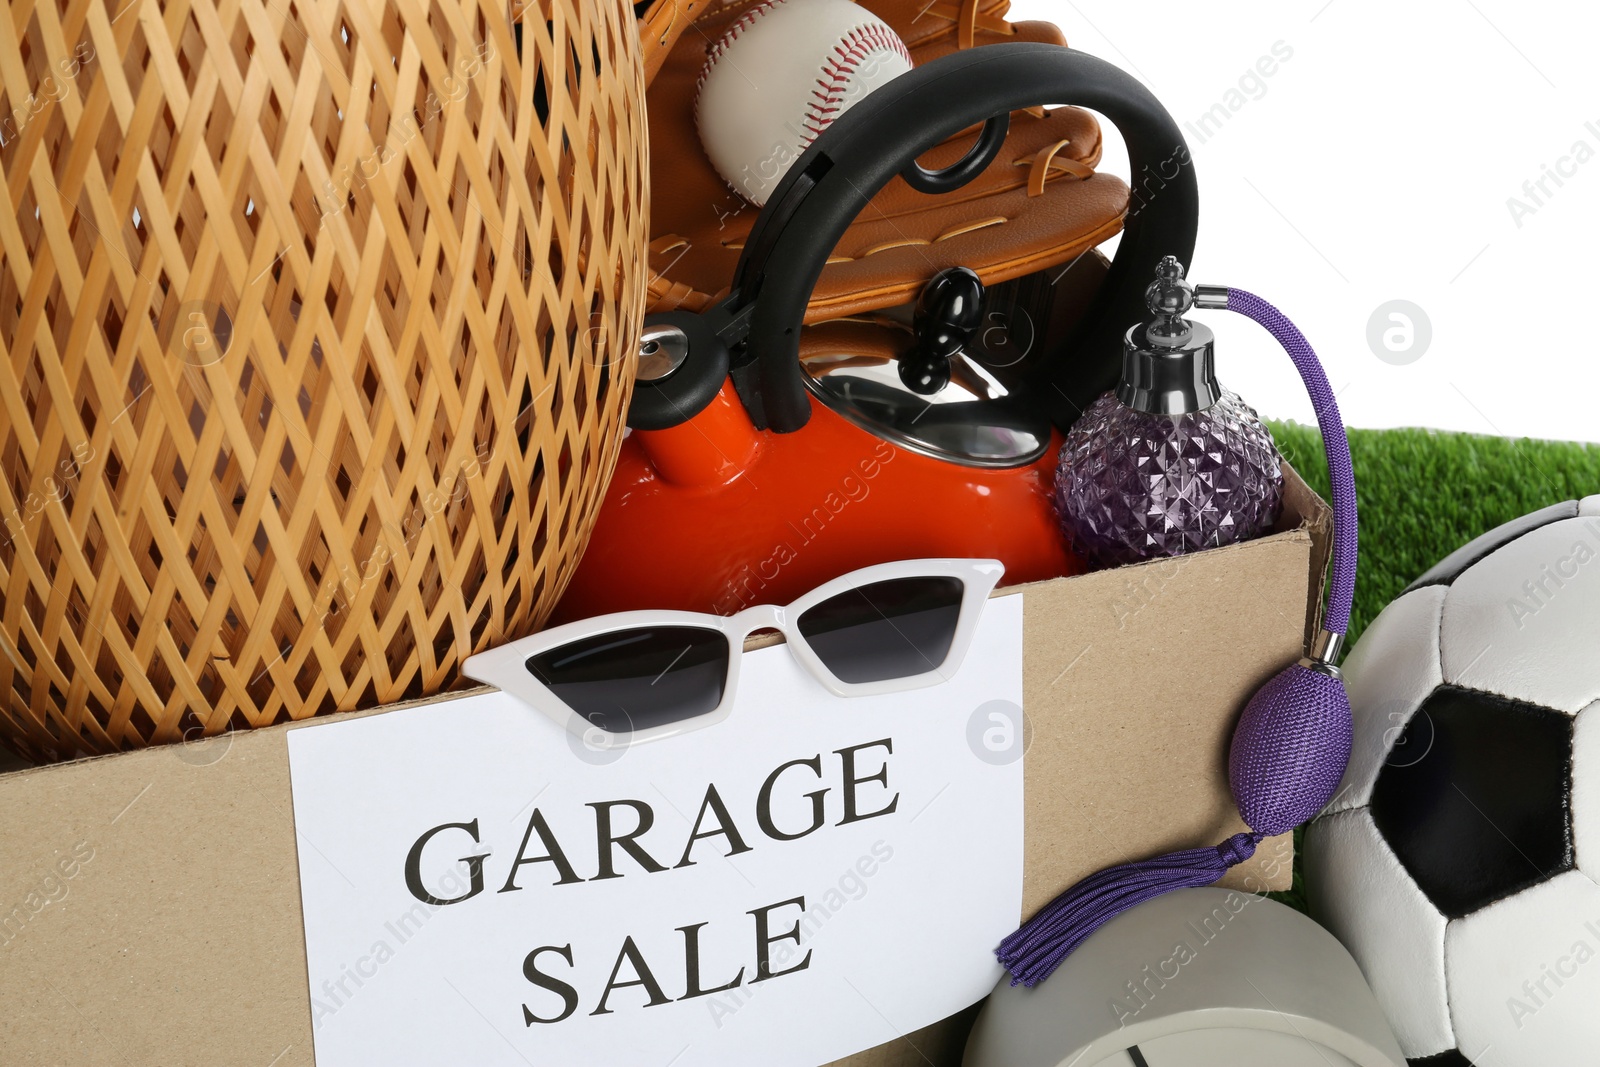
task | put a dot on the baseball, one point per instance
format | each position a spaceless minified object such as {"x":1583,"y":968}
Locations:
{"x":779,"y":76}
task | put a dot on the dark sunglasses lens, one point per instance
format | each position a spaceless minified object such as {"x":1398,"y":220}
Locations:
{"x":635,"y":679}
{"x":894,"y":629}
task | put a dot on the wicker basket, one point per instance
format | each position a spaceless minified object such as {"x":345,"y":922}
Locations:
{"x":312,"y":316}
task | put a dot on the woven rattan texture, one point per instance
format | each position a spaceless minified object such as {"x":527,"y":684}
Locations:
{"x":311,"y":323}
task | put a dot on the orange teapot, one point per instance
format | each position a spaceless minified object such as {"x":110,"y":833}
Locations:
{"x":765,"y":459}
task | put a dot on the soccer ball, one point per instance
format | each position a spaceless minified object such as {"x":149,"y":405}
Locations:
{"x":1460,"y":860}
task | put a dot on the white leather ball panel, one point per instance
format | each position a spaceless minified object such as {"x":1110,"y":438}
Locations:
{"x":1525,"y":621}
{"x":1359,"y":891}
{"x":1524,"y":976}
{"x":1388,"y":674}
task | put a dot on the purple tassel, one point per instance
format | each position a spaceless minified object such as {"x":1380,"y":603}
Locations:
{"x":1037,"y":948}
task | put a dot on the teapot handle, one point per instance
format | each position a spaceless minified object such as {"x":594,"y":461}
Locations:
{"x":865,"y":148}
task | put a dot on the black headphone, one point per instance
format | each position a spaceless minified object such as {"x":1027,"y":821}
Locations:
{"x":755,"y":330}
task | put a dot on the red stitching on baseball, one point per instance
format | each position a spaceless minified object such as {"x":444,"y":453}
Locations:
{"x":853,"y":49}
{"x":734,"y":32}
{"x":856,"y":46}
{"x":714,"y":53}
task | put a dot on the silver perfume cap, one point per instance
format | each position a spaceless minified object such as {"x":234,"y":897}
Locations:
{"x":1168,"y":363}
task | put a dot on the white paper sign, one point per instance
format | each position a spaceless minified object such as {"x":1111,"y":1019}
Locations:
{"x":818,"y":874}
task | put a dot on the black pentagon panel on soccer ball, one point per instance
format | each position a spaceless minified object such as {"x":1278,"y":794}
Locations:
{"x":1443,"y":1059}
{"x":1452,"y":566}
{"x":1475,"y":798}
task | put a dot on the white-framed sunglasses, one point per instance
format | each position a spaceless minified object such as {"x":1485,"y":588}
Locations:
{"x":642,"y":675}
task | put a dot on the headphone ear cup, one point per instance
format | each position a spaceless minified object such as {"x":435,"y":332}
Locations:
{"x":684,"y":391}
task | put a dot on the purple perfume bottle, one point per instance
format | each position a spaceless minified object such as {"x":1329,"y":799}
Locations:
{"x":1170,"y":462}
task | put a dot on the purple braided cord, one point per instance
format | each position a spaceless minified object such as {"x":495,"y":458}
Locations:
{"x":1340,"y":472}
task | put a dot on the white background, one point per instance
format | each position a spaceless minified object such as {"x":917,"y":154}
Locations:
{"x":1376,"y":166}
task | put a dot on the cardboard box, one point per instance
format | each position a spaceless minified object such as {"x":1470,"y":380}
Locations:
{"x":150,"y":902}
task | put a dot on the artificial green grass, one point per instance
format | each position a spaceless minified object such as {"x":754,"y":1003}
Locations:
{"x":1422,"y":495}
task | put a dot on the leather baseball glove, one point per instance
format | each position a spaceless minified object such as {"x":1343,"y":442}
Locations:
{"x":1039,"y":204}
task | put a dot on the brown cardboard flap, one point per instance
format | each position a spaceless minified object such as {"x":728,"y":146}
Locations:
{"x":1304,"y":509}
{"x":150,"y":901}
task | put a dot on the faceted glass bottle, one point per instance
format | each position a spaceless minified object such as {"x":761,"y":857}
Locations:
{"x":1171,"y":462}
